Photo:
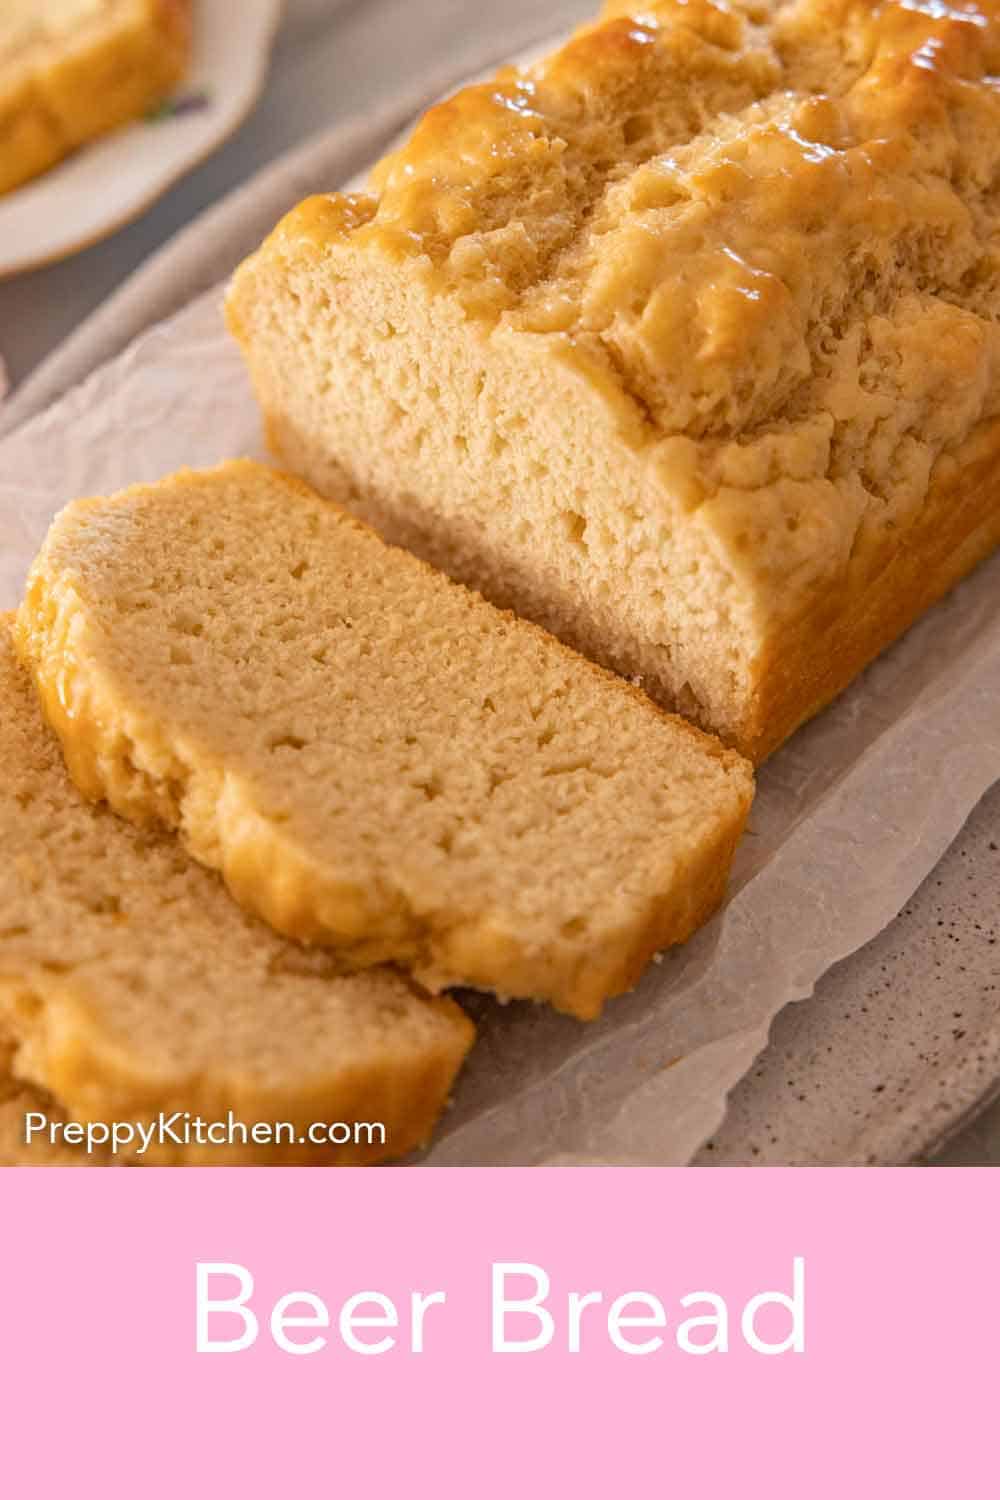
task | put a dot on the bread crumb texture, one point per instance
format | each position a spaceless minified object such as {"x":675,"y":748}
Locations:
{"x":72,"y":70}
{"x":131,"y":983}
{"x":374,"y":757}
{"x":666,"y":340}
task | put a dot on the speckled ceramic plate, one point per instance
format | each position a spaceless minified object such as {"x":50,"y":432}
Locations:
{"x":111,"y":182}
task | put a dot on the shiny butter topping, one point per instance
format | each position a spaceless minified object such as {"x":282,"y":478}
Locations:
{"x":776,"y":227}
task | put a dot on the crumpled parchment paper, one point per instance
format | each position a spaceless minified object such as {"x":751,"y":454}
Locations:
{"x":850,"y":815}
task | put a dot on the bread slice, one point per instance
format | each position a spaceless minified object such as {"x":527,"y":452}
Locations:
{"x":684,"y":343}
{"x":374,"y":757}
{"x":131,"y":984}
{"x":71,"y":70}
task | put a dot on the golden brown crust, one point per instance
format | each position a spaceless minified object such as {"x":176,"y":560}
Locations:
{"x":821,"y":652}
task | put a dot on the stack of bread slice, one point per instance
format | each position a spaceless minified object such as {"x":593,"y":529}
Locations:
{"x":130,"y":983}
{"x":321,"y":785}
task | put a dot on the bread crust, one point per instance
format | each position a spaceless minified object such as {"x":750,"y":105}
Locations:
{"x":817,"y":655}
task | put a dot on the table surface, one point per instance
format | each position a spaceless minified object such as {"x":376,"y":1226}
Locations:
{"x":331,"y":58}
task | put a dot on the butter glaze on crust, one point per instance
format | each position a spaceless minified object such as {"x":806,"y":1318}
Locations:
{"x":684,"y":343}
{"x":130,"y":984}
{"x":73,"y":70}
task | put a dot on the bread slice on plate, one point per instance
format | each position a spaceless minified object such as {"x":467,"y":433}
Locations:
{"x":72,"y":70}
{"x":374,"y":758}
{"x":684,"y":342}
{"x":131,"y":984}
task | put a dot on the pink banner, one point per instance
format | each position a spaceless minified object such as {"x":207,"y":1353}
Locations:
{"x":785,"y":1333}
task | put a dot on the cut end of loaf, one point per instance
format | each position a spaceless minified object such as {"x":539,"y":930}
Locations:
{"x":518,"y":468}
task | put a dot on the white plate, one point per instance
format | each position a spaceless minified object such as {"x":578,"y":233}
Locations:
{"x":105,"y":185}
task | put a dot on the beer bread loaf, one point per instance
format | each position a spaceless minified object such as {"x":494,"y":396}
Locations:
{"x":684,"y":343}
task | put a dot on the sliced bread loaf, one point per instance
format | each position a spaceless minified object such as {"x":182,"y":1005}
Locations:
{"x":374,"y":757}
{"x":71,"y":70}
{"x":131,"y":984}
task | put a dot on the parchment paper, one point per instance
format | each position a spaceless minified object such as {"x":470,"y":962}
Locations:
{"x":850,"y":815}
